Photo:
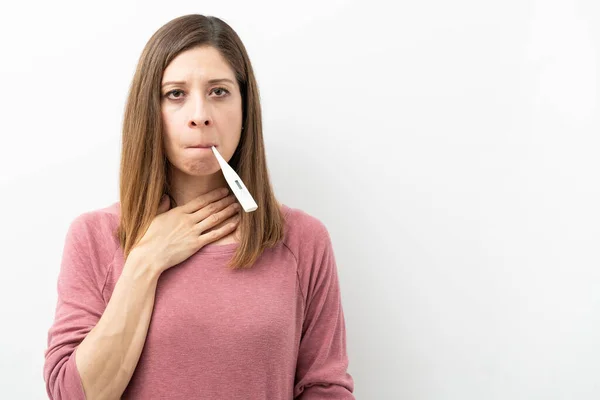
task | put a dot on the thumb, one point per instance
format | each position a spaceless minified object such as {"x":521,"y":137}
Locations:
{"x":164,"y":204}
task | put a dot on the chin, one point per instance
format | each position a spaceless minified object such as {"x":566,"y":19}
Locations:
{"x":200,"y":168}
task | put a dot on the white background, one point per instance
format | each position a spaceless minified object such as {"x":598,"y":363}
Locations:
{"x":450,"y":147}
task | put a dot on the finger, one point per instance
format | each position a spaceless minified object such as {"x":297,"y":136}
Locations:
{"x":213,"y":208}
{"x":204,"y":200}
{"x":215,"y":234}
{"x":216,"y":218}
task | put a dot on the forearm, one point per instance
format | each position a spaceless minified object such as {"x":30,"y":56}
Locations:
{"x":107,"y":357}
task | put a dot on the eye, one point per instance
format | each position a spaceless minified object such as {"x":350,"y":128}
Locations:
{"x":223,"y":90}
{"x":178,"y":91}
{"x":174,"y":91}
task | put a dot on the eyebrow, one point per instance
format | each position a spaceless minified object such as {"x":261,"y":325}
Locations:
{"x":212,"y":81}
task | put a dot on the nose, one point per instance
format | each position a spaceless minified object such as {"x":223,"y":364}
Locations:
{"x":200,"y":113}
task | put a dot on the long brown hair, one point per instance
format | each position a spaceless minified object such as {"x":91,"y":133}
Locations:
{"x":144,"y":171}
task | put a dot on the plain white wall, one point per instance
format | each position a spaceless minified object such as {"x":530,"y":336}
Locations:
{"x":451,"y":148}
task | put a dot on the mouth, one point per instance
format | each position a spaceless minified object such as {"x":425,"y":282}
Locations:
{"x":202,"y":146}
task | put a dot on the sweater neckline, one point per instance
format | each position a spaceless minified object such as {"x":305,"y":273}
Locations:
{"x":212,"y":248}
{"x":229,"y":248}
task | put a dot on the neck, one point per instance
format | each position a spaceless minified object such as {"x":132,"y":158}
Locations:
{"x":185,"y":188}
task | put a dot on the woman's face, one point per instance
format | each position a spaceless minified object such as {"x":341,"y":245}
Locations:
{"x":201,"y":105}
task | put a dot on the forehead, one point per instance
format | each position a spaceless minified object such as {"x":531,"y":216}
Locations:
{"x":200,"y":63}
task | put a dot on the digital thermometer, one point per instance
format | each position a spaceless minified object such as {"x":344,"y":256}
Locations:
{"x":235,"y":183}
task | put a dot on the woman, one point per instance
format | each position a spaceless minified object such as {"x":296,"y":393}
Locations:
{"x":270,"y":326}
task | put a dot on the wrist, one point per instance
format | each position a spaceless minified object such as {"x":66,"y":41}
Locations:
{"x":143,"y":262}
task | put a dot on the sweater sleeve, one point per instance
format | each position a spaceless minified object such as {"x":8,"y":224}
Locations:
{"x":321,"y":370}
{"x":79,"y":307}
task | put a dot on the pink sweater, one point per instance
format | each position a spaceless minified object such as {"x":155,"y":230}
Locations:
{"x":275,"y":331}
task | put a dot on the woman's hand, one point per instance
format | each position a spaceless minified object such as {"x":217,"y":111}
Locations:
{"x":176,"y":234}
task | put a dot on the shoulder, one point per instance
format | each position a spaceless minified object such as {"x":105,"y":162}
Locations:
{"x":308,"y":239}
{"x":94,"y":232}
{"x":306,"y":236}
{"x":97,"y":223}
{"x":300,"y":225}
{"x":90,"y":245}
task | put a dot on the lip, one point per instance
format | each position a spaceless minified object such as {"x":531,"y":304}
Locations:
{"x":202,"y":146}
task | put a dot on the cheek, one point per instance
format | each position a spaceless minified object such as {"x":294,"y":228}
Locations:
{"x":169,"y":128}
{"x":167,"y":137}
{"x":167,"y":119}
